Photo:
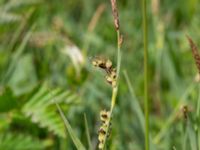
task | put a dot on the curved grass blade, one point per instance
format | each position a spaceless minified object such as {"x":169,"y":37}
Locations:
{"x":172,"y":116}
{"x":75,"y":139}
{"x":87,"y":132}
{"x":134,"y":103}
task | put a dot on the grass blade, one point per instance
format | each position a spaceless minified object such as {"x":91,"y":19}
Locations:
{"x":192,"y":137}
{"x":75,"y":139}
{"x":87,"y":132}
{"x":198,"y":116}
{"x":17,"y":54}
{"x":137,"y":108}
{"x":171,"y":118}
{"x":134,"y":103}
{"x":146,"y":94}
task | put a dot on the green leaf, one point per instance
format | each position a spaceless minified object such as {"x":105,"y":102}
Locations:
{"x":134,"y":102}
{"x":15,"y":56}
{"x":7,"y":100}
{"x":12,"y":141}
{"x":75,"y":139}
{"x":87,"y":132}
{"x":7,"y":17}
{"x":16,"y":4}
{"x":41,"y":109}
{"x":23,"y":78}
{"x":192,"y":136}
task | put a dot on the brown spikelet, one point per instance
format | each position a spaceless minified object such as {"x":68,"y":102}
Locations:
{"x":195,"y":52}
{"x":115,"y":13}
{"x":104,"y":130}
{"x":185,"y":112}
{"x":106,"y":65}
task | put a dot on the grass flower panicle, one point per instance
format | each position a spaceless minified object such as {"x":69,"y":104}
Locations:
{"x":115,"y":14}
{"x":107,"y":66}
{"x":195,"y":52}
{"x":112,"y":77}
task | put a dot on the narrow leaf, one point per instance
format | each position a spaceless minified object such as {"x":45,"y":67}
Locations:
{"x":87,"y":132}
{"x":75,"y":139}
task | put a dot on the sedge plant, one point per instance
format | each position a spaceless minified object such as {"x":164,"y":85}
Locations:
{"x":112,"y":77}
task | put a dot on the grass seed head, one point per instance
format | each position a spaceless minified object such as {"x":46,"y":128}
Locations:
{"x":106,"y":65}
{"x":115,"y":14}
{"x":195,"y":52}
{"x":104,"y":130}
{"x":104,"y":115}
{"x":102,"y":63}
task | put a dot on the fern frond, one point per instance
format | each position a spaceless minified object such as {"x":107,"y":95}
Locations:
{"x":8,"y":17}
{"x":12,"y":141}
{"x":7,"y":14}
{"x":14,"y":4}
{"x":41,"y":108}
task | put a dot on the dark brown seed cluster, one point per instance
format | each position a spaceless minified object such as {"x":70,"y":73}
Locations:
{"x":185,"y":112}
{"x":195,"y":52}
{"x":105,"y":117}
{"x":107,"y":66}
{"x":115,"y":13}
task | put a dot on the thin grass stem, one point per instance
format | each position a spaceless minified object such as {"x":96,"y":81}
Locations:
{"x":115,"y":89}
{"x":198,"y":116}
{"x":87,"y":133}
{"x":145,"y":42}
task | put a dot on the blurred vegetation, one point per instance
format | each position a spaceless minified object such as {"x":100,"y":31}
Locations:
{"x":45,"y":53}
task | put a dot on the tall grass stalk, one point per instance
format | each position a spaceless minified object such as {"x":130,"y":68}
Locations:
{"x":119,"y":43}
{"x":145,"y":42}
{"x":115,"y":89}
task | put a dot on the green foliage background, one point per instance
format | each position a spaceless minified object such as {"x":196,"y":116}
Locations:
{"x":45,"y":53}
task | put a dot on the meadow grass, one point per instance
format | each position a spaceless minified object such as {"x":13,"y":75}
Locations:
{"x":156,"y":99}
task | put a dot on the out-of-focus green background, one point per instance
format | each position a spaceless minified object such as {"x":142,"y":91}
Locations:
{"x":46,"y":47}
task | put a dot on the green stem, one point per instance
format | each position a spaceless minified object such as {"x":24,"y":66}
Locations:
{"x":119,"y":42}
{"x":145,"y":40}
{"x":115,"y":89}
{"x":113,"y":100}
{"x":198,"y":116}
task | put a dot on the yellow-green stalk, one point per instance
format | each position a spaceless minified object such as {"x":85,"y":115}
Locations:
{"x":106,"y":125}
{"x":146,"y":101}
